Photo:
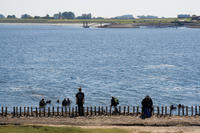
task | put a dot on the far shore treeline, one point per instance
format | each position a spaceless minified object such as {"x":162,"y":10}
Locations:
{"x":71,"y":15}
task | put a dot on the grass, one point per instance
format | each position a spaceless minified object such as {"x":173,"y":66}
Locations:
{"x":46,"y":129}
{"x":121,"y":21}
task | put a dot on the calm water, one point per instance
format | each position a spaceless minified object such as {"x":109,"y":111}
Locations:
{"x":39,"y":61}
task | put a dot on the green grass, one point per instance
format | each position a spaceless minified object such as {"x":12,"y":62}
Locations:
{"x":45,"y":129}
{"x":120,"y":21}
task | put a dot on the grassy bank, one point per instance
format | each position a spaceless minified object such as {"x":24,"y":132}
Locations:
{"x":45,"y":129}
{"x":120,"y":21}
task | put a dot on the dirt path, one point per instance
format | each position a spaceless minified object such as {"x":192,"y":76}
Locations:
{"x":133,"y":124}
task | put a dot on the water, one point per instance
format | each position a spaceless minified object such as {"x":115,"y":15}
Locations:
{"x":49,"y":61}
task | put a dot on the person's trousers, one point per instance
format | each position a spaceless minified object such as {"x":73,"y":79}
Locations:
{"x":80,"y":110}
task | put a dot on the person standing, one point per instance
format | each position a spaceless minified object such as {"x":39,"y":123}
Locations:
{"x":147,"y":107}
{"x":80,"y":101}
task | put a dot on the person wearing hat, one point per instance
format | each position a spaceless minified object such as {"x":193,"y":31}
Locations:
{"x":80,"y":101}
{"x":147,"y":107}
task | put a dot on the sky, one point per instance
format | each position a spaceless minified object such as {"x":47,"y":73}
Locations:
{"x":103,"y":8}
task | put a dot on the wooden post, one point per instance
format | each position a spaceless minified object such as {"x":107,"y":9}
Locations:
{"x":39,"y":112}
{"x":83,"y":111}
{"x":73,"y":111}
{"x":48,"y":112}
{"x":119,"y":110}
{"x":16,"y":111}
{"x":98,"y":110}
{"x":124,"y":110}
{"x":20,"y":111}
{"x":153,"y":110}
{"x":87,"y":111}
{"x":62,"y":112}
{"x":102,"y":111}
{"x":178,"y":110}
{"x":106,"y":110}
{"x":95,"y":110}
{"x":162,"y":110}
{"x":158,"y":110}
{"x":53,"y":111}
{"x":2,"y":111}
{"x":57,"y":111}
{"x":76,"y":111}
{"x":137,"y":110}
{"x":13,"y":111}
{"x":24,"y":111}
{"x":6,"y":111}
{"x":36,"y":112}
{"x":199,"y":110}
{"x":133,"y":110}
{"x":65,"y":111}
{"x":165,"y":110}
{"x":191,"y":110}
{"x":31,"y":111}
{"x":27,"y":111}
{"x":69,"y":111}
{"x":186,"y":110}
{"x":91,"y":112}
{"x":195,"y":110}
{"x":170,"y":111}
{"x":110,"y":110}
{"x":183,"y":110}
{"x":44,"y":111}
{"x":128,"y":110}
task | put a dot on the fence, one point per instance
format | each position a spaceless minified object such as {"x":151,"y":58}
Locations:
{"x":98,"y":111}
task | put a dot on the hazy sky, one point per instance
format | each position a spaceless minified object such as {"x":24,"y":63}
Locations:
{"x":105,"y":8}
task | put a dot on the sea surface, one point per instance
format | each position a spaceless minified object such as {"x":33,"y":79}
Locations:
{"x":52,"y":61}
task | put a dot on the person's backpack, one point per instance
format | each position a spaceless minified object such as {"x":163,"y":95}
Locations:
{"x":116,"y":101}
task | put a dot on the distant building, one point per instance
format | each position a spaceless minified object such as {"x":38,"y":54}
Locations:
{"x":183,"y":16}
{"x":2,"y":16}
{"x":147,"y":17}
{"x":26,"y":16}
{"x":11,"y":16}
{"x":124,"y":17}
{"x":85,"y":16}
{"x":57,"y":16}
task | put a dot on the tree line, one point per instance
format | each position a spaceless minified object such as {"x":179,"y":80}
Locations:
{"x":60,"y":15}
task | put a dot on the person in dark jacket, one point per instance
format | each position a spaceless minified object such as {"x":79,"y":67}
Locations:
{"x":66,"y":102}
{"x":114,"y":103}
{"x":80,"y":101}
{"x":147,"y":107}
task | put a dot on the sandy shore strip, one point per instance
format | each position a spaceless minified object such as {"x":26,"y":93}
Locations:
{"x":54,"y":24}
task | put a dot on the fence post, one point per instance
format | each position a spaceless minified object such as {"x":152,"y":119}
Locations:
{"x":24,"y":111}
{"x":199,"y":110}
{"x":128,"y":110}
{"x":195,"y":110}
{"x":137,"y":110}
{"x":39,"y":112}
{"x":106,"y":110}
{"x":95,"y":110}
{"x":87,"y":111}
{"x":6,"y":111}
{"x":20,"y":111}
{"x":76,"y":111}
{"x":48,"y":111}
{"x":13,"y":111}
{"x":153,"y":110}
{"x":191,"y":110}
{"x":65,"y":111}
{"x":110,"y":110}
{"x":16,"y":111}
{"x":83,"y":111}
{"x":73,"y":111}
{"x":178,"y":110}
{"x":62,"y":112}
{"x":44,"y":111}
{"x":57,"y":111}
{"x":186,"y":110}
{"x":31,"y":111}
{"x":69,"y":111}
{"x":165,"y":110}
{"x":124,"y":110}
{"x":162,"y":110}
{"x":99,"y":110}
{"x":183,"y":110}
{"x":170,"y":111}
{"x":2,"y":111}
{"x":53,"y":111}
{"x":91,"y":112}
{"x":27,"y":111}
{"x":102,"y":111}
{"x":158,"y":110}
{"x":119,"y":110}
{"x":133,"y":110}
{"x":36,"y":112}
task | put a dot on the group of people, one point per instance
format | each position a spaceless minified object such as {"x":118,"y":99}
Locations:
{"x":147,"y":104}
{"x":65,"y":102}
